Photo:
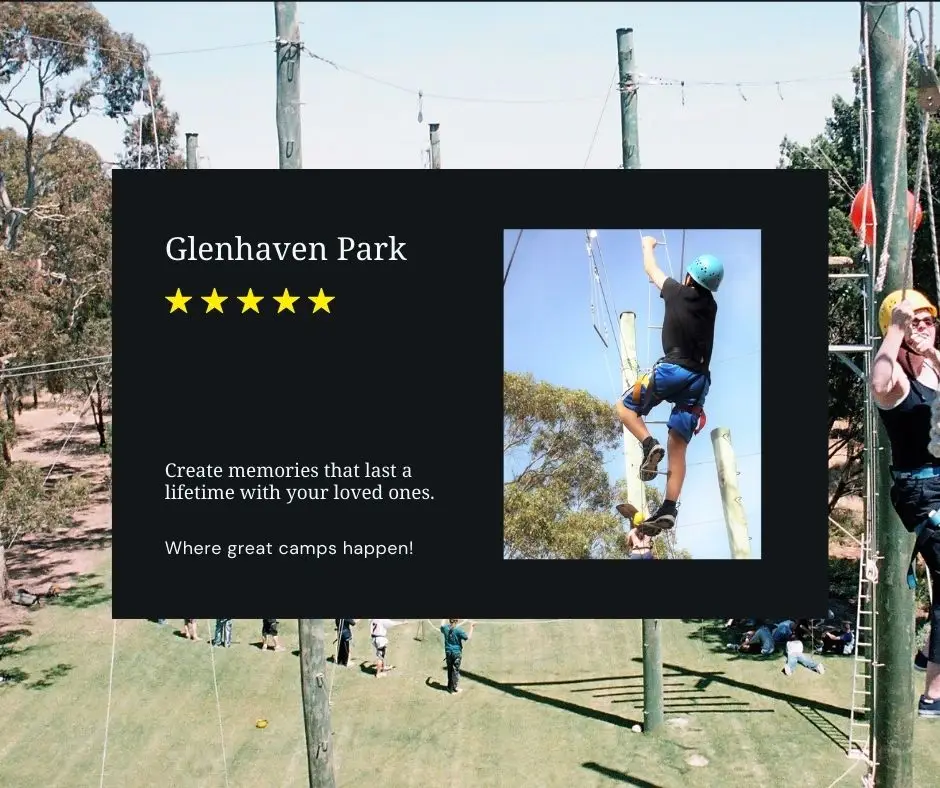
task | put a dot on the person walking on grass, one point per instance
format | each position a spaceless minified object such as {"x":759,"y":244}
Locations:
{"x":269,"y":635}
{"x":344,"y":640}
{"x":223,"y":633}
{"x":454,"y":638}
{"x":189,"y":629}
{"x":379,"y":632}
{"x":681,"y":377}
{"x":905,"y":377}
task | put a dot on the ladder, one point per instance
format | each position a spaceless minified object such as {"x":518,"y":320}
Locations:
{"x":861,"y":743}
{"x":863,"y":674}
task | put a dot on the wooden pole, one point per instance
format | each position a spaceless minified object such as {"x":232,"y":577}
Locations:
{"x":316,"y":702}
{"x":894,"y":697}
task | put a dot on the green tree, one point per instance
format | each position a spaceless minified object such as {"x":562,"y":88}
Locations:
{"x":27,"y":506}
{"x":144,"y":150}
{"x":557,"y":502}
{"x":77,"y":64}
{"x":838,"y":148}
{"x":56,"y":283}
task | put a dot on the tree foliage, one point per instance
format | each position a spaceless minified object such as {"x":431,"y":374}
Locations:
{"x":144,"y":150}
{"x":59,"y":63}
{"x":839,"y":149}
{"x":27,"y":505}
{"x":558,"y":501}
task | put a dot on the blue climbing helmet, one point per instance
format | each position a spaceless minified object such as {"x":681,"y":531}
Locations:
{"x":708,"y":271}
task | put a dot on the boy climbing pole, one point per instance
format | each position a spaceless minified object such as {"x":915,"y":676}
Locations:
{"x":680,"y":377}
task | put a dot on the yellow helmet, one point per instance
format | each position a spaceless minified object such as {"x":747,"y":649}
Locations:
{"x":917,"y":299}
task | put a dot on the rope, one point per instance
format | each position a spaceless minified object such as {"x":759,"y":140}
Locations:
{"x":339,"y":634}
{"x":933,"y":230}
{"x":844,"y":774}
{"x":218,"y":708}
{"x":865,"y":141}
{"x":107,"y":717}
{"x":597,"y":128}
{"x":918,"y":179}
{"x":72,"y":430}
{"x":512,"y":257}
{"x":899,"y":146}
{"x":21,"y":367}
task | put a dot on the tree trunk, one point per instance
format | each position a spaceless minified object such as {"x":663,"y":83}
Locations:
{"x":8,"y":403}
{"x":35,"y":396}
{"x":97,"y":409}
{"x":4,"y":578}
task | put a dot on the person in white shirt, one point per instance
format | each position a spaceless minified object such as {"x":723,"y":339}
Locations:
{"x":795,"y":655}
{"x":380,"y":628}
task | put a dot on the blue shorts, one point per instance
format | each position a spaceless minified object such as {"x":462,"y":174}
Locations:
{"x":675,"y":384}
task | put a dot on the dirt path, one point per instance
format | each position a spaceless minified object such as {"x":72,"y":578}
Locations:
{"x":39,"y":560}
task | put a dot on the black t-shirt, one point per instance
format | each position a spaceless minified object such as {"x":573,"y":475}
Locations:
{"x":688,"y":325}
{"x":908,"y":428}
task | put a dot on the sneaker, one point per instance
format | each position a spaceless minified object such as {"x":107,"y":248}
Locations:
{"x":820,"y":668}
{"x":787,"y":670}
{"x":928,"y":707}
{"x":663,"y":520}
{"x":920,"y":661}
{"x":652,"y":456}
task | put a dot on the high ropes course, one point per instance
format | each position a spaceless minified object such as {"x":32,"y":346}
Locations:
{"x":880,"y":703}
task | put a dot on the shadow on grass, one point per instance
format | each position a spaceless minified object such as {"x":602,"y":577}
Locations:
{"x":617,"y":776}
{"x":437,"y":685}
{"x":518,"y":691}
{"x":678,"y":696}
{"x":48,"y":677}
{"x":9,"y":639}
{"x":719,"y":678}
{"x":83,"y":596}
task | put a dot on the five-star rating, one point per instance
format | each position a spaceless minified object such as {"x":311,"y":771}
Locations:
{"x":249,"y":302}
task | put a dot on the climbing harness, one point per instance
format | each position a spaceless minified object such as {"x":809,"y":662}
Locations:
{"x":642,"y":397}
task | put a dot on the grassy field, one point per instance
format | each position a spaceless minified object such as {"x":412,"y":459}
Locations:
{"x":546,"y":704}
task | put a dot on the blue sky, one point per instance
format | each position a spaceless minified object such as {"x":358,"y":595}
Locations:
{"x":538,"y":75}
{"x":504,"y":51}
{"x":549,"y":331}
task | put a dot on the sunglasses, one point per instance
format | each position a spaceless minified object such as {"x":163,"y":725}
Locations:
{"x":926,"y":322}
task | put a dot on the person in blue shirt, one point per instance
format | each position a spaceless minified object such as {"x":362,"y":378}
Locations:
{"x":783,"y":632}
{"x":838,"y":644}
{"x":454,"y":638}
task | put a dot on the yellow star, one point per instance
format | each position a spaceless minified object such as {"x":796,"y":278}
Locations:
{"x":250,"y":301}
{"x":214,"y":301}
{"x":178,"y":301}
{"x":321,"y":301}
{"x":285,"y":301}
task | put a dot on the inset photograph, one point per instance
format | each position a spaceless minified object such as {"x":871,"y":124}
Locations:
{"x":632,"y":394}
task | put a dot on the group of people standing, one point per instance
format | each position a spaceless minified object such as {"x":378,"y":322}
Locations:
{"x":454,"y":638}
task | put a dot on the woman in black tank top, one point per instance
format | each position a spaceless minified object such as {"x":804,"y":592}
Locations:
{"x":905,"y":378}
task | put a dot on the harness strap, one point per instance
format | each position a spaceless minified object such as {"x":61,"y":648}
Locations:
{"x":919,"y":531}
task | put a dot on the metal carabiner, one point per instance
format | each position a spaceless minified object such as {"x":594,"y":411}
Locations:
{"x":918,"y":40}
{"x":928,"y":84}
